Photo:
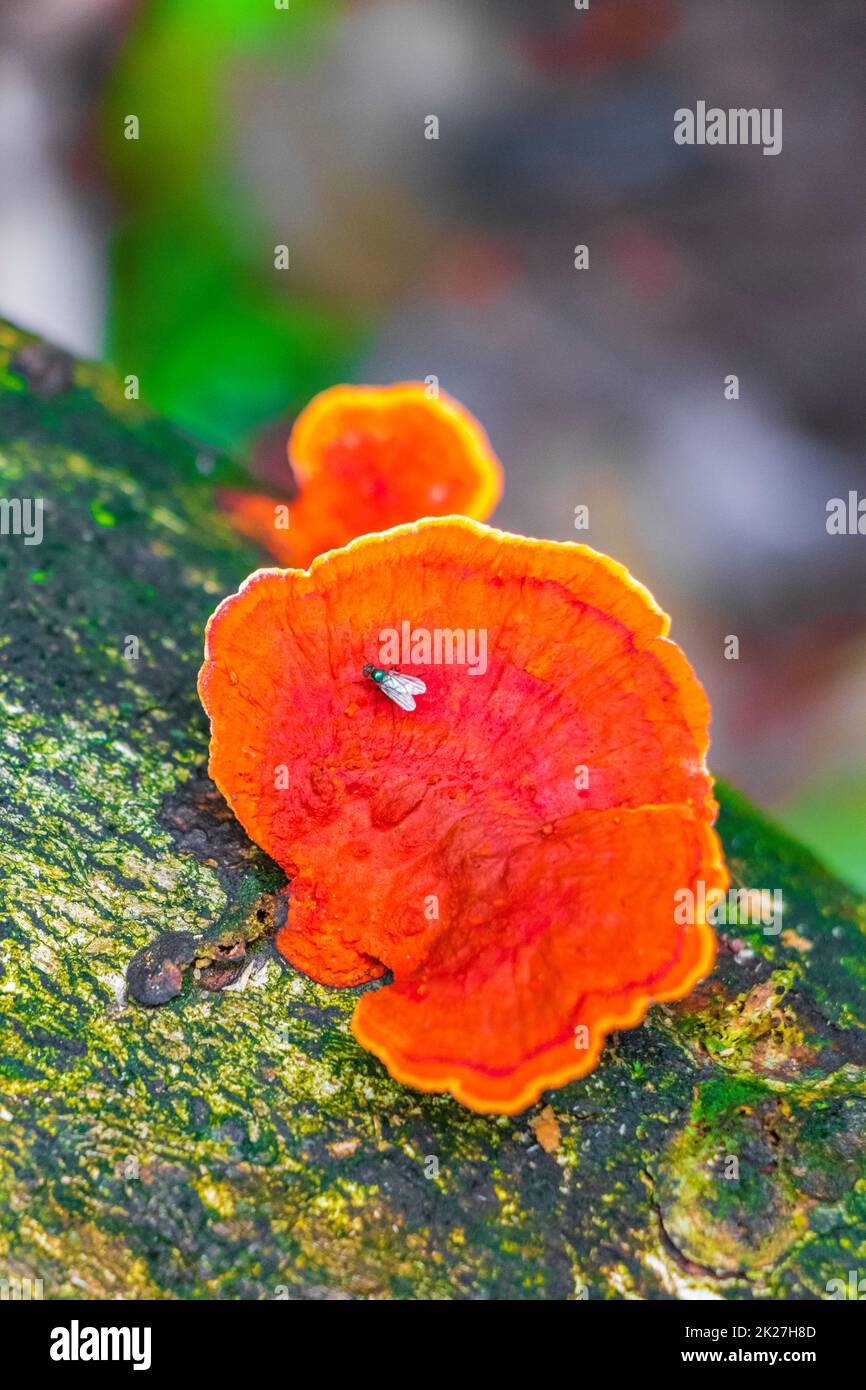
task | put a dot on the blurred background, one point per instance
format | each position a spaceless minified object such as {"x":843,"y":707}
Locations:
{"x":306,"y":124}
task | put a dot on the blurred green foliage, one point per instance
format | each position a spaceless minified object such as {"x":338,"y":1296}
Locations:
{"x":198,"y":312}
{"x":829,"y":817}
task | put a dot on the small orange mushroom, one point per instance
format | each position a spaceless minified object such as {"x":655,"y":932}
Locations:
{"x":511,"y":848}
{"x":368,"y":457}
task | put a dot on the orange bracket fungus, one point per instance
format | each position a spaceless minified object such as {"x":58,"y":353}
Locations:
{"x":368,"y":457}
{"x":511,"y":846}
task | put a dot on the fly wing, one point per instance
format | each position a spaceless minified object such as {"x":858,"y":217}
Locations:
{"x":396,"y":693}
{"x":411,"y":684}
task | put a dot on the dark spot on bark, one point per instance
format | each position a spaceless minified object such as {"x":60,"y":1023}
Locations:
{"x":231,"y":950}
{"x":229,"y":959}
{"x":201,"y":823}
{"x":155,"y":973}
{"x":47,"y":370}
{"x":216,"y":976}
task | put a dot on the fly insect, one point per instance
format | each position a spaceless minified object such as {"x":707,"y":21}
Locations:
{"x":399,"y":688}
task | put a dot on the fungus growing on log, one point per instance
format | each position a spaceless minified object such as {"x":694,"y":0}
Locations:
{"x":365,"y":458}
{"x":511,"y":848}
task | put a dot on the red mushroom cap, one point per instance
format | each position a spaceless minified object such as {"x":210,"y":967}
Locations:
{"x":511,"y":848}
{"x":369,"y":457}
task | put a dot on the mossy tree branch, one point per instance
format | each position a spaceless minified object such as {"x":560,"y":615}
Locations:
{"x":236,"y":1142}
